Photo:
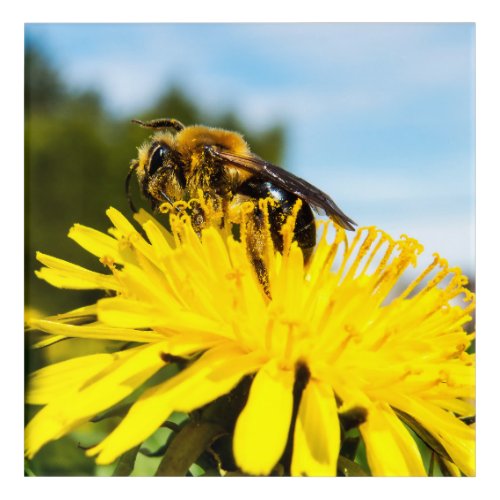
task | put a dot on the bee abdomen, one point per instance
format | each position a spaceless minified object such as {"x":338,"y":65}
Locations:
{"x":305,"y":227}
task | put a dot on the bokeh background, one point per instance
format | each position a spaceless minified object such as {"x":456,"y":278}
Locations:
{"x":380,"y":116}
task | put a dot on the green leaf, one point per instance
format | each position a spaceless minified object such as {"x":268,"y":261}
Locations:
{"x":126,"y":463}
{"x":348,"y":468}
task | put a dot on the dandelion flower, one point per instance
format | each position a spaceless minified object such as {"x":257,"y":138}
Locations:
{"x":335,"y":337}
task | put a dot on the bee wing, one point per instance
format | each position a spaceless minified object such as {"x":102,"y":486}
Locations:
{"x":288,"y":181}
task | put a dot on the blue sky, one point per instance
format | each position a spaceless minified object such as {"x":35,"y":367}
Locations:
{"x":380,"y":116}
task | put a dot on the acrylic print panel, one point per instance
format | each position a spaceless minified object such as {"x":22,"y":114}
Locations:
{"x":378,"y":116}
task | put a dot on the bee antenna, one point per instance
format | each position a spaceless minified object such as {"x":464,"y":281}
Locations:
{"x":161,"y":123}
{"x":132,"y":169}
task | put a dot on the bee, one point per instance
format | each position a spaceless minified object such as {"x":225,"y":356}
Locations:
{"x":180,"y":160}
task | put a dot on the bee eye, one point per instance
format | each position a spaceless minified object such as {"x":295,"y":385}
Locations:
{"x":157,"y":159}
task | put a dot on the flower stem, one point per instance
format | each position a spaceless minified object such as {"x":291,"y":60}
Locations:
{"x":191,"y":441}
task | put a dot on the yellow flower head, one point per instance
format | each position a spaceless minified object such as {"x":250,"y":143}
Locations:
{"x":334,"y":338}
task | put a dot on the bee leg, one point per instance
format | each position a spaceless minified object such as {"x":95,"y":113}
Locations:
{"x":262,"y":274}
{"x":225,"y":212}
{"x":132,"y":169}
{"x":169,"y":200}
{"x":256,"y":242}
{"x":198,"y":217}
{"x":259,"y":266}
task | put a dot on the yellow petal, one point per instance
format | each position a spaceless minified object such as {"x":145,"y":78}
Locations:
{"x":97,"y":331}
{"x":84,"y":312}
{"x":213,"y":375}
{"x":216,"y":253}
{"x":128,"y":313}
{"x":144,"y":218}
{"x":452,"y":468}
{"x":219,"y":380}
{"x":146,"y":284}
{"x":316,"y":441}
{"x":52,"y":381}
{"x":182,"y":345}
{"x":88,"y":313}
{"x":159,"y":239}
{"x":109,"y":386}
{"x":62,"y":274}
{"x":95,"y":242}
{"x":390,"y":449}
{"x":48,"y":341}
{"x":262,"y":428}
{"x":288,"y":289}
{"x":124,"y":227}
{"x":457,"y":438}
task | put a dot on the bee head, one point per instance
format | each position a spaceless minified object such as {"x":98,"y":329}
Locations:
{"x":154,"y":159}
